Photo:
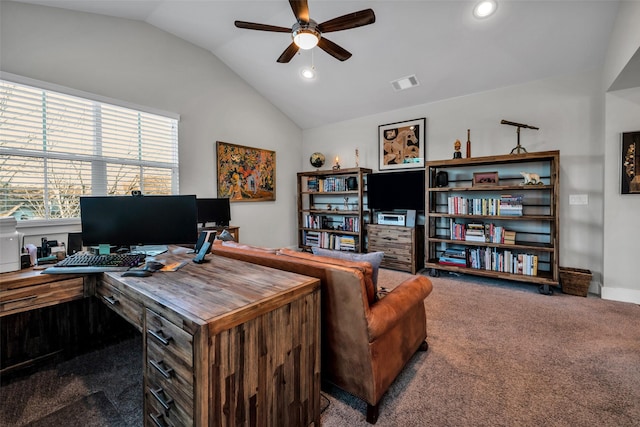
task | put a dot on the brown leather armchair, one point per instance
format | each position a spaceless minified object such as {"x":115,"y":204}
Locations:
{"x":366,"y":341}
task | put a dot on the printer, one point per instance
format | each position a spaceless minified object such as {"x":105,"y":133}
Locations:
{"x":10,"y":245}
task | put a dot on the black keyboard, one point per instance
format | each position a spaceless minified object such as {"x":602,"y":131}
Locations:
{"x":110,"y":260}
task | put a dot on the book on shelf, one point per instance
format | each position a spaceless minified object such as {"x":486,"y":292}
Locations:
{"x":510,"y":205}
{"x":509,"y":237}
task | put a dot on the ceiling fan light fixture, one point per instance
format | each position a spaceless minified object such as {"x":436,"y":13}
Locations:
{"x":485,"y":8}
{"x":306,"y":37}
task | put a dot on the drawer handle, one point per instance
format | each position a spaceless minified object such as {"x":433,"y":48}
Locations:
{"x":156,"y":418}
{"x":111,"y":299}
{"x":166,"y":372}
{"x":159,"y":394}
{"x":159,"y":335}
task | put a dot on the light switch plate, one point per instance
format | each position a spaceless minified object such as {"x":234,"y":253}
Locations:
{"x":578,"y":199}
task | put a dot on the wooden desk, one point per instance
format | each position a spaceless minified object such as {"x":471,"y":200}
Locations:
{"x":225,"y":342}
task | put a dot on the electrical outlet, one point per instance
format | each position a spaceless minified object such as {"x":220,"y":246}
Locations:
{"x":578,"y":199}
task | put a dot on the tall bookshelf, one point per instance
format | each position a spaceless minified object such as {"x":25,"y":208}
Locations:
{"x":502,"y":207}
{"x":332,"y":210}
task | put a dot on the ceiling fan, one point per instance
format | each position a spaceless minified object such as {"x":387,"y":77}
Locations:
{"x":307,"y":33}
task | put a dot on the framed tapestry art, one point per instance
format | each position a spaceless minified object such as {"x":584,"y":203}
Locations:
{"x":630,"y":180}
{"x":245,"y":174}
{"x":401,"y":145}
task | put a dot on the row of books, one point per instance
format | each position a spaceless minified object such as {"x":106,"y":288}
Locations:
{"x":480,"y":232}
{"x":454,"y":256}
{"x":504,"y":261}
{"x":327,"y":184}
{"x":349,"y":223}
{"x":510,"y":205}
{"x":323,"y":239}
{"x":492,"y":259}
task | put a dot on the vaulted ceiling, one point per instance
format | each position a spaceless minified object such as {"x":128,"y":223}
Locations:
{"x":450,"y":52}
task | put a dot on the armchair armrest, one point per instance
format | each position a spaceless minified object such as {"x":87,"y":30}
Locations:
{"x":388,"y":311}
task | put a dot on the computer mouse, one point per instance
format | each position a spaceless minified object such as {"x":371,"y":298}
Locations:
{"x":137,"y":273}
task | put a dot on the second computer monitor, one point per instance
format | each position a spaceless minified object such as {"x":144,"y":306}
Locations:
{"x":212,"y":210}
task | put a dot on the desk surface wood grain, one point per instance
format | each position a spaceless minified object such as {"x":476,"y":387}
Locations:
{"x":220,"y":293}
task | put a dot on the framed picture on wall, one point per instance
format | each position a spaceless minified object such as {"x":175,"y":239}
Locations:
{"x":401,"y":145}
{"x":630,"y":179}
{"x":245,"y":174}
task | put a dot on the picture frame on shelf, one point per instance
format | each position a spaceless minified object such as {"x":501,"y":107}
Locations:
{"x":401,"y":145}
{"x":485,"y":179}
{"x":245,"y":174}
{"x":630,"y":169}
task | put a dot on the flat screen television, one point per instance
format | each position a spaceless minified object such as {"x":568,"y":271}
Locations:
{"x":396,"y":190}
{"x":214,"y":210}
{"x":138,"y":220}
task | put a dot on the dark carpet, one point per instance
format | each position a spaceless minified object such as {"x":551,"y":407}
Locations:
{"x":500,"y":354}
{"x":92,"y":410}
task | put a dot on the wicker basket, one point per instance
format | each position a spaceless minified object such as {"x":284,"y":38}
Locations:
{"x":575,"y":281}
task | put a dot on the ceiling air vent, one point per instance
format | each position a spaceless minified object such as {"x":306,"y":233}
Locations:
{"x":405,"y":83}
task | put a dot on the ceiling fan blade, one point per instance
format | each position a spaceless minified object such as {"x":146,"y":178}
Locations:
{"x":333,"y":49}
{"x":261,"y":27}
{"x":348,"y":21}
{"x":300,"y":10}
{"x":288,"y":53}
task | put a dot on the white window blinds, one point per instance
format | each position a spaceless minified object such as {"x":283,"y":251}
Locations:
{"x":55,"y":148}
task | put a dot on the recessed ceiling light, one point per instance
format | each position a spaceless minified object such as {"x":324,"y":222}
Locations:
{"x":308,"y":73}
{"x":485,"y":8}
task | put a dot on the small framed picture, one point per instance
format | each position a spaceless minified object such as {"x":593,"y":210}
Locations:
{"x":485,"y":179}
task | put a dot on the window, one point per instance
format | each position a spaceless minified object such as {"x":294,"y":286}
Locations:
{"x":56,"y":147}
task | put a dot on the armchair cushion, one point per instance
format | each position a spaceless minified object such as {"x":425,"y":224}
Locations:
{"x":375,"y":258}
{"x":365,"y":267}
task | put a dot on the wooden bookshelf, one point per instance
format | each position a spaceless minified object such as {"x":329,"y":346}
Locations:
{"x":451,"y":208}
{"x":332,"y":210}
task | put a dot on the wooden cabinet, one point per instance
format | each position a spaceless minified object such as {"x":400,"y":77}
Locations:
{"x":403,"y":247}
{"x":332,"y":210}
{"x":489,"y":193}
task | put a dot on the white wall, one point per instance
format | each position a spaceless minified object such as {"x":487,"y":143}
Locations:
{"x":622,"y":111}
{"x":624,"y":42}
{"x":137,"y":63}
{"x":569,"y":112}
{"x":622,"y":231}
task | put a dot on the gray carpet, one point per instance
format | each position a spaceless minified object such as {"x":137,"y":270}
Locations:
{"x":501,"y":354}
{"x":92,"y":410}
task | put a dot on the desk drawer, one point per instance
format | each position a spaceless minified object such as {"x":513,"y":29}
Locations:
{"x":170,"y":338}
{"x":120,"y":303}
{"x":37,"y":296}
{"x":165,"y":408}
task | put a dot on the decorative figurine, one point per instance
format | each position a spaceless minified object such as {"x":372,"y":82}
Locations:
{"x":531,"y":178}
{"x":337,"y":165}
{"x":357,"y":158}
{"x":456,"y":146}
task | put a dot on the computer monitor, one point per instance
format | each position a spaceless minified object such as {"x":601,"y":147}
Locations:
{"x":214,"y":210}
{"x":127,"y":221}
